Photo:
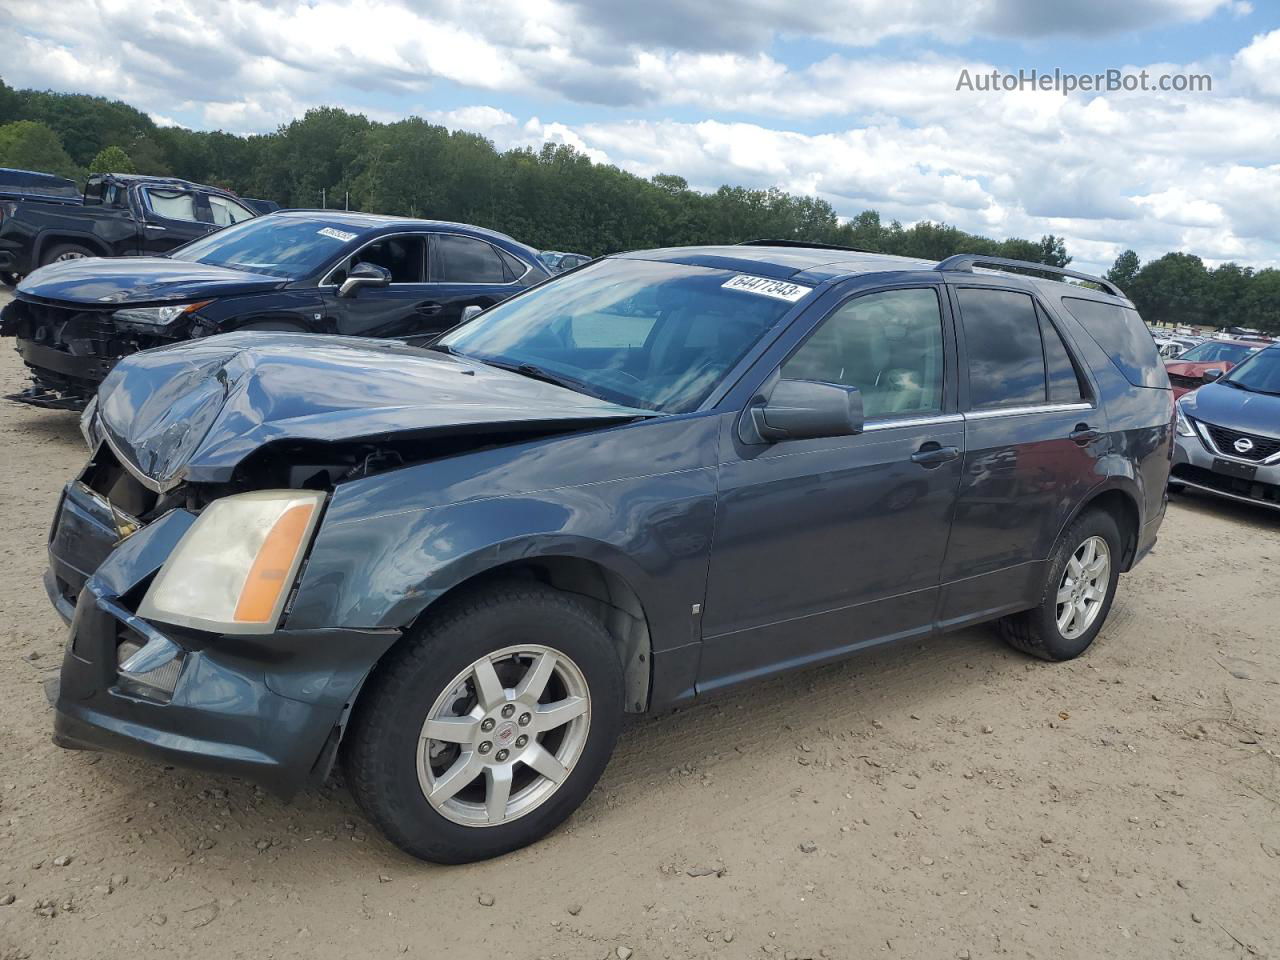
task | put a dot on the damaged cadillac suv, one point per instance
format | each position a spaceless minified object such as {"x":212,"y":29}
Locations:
{"x":455,"y":569}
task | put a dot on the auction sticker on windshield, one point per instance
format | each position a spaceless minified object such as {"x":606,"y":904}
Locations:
{"x":763,"y":286}
{"x":336,"y":234}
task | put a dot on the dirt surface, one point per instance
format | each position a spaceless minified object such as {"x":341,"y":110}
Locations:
{"x":938,"y":800}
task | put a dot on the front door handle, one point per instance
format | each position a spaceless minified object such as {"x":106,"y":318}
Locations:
{"x":1083,"y":434}
{"x":156,"y":226}
{"x":933,"y":454}
{"x":428,"y":309}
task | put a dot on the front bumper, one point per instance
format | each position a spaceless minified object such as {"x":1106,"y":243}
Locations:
{"x":267,"y":708}
{"x":60,"y":380}
{"x":1198,"y":467}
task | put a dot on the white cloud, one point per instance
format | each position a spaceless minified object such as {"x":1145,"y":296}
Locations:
{"x":1152,"y":171}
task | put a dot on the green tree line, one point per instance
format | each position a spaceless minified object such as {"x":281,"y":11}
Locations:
{"x":551,"y":198}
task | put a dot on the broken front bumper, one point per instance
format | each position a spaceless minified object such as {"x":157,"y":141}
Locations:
{"x":268,"y":708}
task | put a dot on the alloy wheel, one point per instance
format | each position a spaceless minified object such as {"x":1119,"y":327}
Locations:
{"x":69,"y":255}
{"x":504,"y":735}
{"x":1083,"y":588}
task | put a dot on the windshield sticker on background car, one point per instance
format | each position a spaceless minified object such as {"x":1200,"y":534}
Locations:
{"x":778,"y":289}
{"x":336,"y":234}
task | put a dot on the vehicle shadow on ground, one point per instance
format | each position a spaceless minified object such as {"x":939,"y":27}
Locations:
{"x":61,"y":426}
{"x":1207,"y":504}
{"x":919,"y":675}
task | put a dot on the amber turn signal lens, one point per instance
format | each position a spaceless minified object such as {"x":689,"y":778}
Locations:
{"x":269,"y":574}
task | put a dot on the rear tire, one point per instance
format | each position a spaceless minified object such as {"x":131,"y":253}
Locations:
{"x":66,"y":251}
{"x":1058,"y":630}
{"x":461,"y":674}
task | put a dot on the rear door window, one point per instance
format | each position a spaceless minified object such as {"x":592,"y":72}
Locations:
{"x":224,"y":211}
{"x":458,"y":259}
{"x":1123,"y":336}
{"x":1065,"y":383}
{"x":1002,"y":340}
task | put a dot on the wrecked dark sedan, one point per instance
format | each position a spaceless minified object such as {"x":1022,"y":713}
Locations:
{"x":314,"y":271}
{"x":456,"y":568}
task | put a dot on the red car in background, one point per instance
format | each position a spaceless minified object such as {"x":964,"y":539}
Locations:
{"x":1188,"y":371}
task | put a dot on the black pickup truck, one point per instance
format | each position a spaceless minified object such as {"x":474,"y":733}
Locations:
{"x":120,"y":215}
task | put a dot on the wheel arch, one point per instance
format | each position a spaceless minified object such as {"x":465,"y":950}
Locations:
{"x":47,"y":240}
{"x":609,"y":593}
{"x":1120,"y":501}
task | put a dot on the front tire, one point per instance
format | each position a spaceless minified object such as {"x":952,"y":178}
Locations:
{"x":487,"y":727}
{"x":10,"y":279}
{"x":1077,"y":594}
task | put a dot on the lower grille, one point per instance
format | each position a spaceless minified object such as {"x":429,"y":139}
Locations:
{"x":1268,"y":493}
{"x":1225,"y":439}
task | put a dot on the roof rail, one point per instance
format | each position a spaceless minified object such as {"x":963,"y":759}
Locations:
{"x":811,"y":244}
{"x":967,"y":261}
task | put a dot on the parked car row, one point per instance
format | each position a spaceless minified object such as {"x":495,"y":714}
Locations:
{"x":293,"y":271}
{"x":454,"y":568}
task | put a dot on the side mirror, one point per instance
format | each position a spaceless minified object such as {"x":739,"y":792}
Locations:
{"x":470,"y":311}
{"x":804,"y":410}
{"x":364,"y":274}
{"x":1212,"y":374}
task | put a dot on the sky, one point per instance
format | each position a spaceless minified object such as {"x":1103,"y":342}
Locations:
{"x":855,"y":101}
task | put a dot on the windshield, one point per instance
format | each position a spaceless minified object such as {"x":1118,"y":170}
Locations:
{"x":277,"y":246}
{"x":1215,"y":351}
{"x":1260,"y":373}
{"x":659,"y":336}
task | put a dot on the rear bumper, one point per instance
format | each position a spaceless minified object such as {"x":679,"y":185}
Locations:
{"x":1193,"y":466}
{"x":266,"y":708}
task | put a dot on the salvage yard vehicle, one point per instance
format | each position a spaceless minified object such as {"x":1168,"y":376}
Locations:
{"x":558,"y":262}
{"x":1228,"y":441}
{"x":293,"y":271}
{"x":120,"y":215}
{"x":30,"y":185}
{"x":1206,"y":362}
{"x":668,"y":472}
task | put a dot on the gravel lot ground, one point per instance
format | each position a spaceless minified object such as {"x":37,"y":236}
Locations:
{"x":950,"y":799}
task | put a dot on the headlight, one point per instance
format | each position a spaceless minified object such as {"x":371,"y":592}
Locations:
{"x":232,"y":571}
{"x":88,"y":428}
{"x":159,"y":316}
{"x":1183,"y":424}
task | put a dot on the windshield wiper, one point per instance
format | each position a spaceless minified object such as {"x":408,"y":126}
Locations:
{"x":535,"y":372}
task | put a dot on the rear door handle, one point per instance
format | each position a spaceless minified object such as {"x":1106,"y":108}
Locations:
{"x":1083,"y":434}
{"x":428,"y":309}
{"x":933,"y":454}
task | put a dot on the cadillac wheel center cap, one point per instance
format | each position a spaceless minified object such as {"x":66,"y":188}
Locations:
{"x":1243,"y":445}
{"x":505,"y":733}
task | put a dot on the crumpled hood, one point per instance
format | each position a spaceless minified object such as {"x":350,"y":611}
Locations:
{"x":1227,"y":406}
{"x":120,"y":280}
{"x":194,"y":410}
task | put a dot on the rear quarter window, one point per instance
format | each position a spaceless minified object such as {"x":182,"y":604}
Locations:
{"x":1122,"y":334}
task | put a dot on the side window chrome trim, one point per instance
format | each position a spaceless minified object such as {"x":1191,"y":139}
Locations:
{"x":993,"y":413}
{"x":890,"y":423}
